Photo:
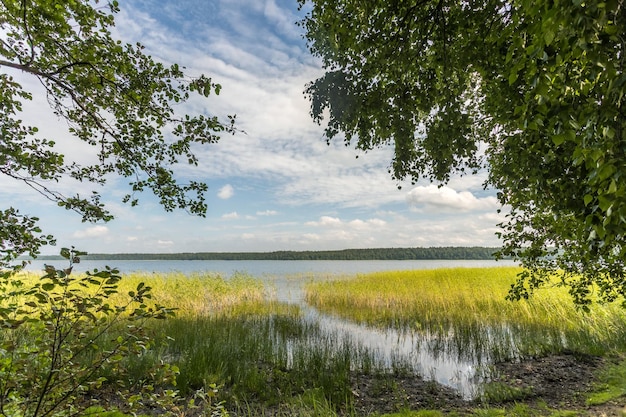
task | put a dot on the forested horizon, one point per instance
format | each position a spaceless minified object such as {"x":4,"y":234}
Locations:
{"x":418,"y":253}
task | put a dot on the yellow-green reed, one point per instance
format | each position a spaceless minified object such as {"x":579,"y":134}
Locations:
{"x":196,"y":294}
{"x":473,"y":300}
{"x":200,"y":294}
{"x":441,"y":295}
{"x":422,"y":295}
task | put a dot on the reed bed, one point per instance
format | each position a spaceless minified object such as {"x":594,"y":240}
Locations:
{"x":465,"y":309}
{"x":200,"y":294}
{"x":262,"y":353}
{"x":228,"y":331}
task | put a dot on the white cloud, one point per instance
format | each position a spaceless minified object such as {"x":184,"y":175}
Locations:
{"x":360,"y":224}
{"x":447,"y":199}
{"x":91,"y":232}
{"x":165,"y":242}
{"x":267,"y":213}
{"x":334,"y":222}
{"x":230,"y":216}
{"x":326,"y":221}
{"x":226,"y":192}
{"x":311,"y":236}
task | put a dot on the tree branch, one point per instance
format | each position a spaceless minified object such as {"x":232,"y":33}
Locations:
{"x":54,"y":196}
{"x":28,"y":35}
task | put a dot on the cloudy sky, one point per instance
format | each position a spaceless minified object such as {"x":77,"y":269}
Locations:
{"x":279,"y":186}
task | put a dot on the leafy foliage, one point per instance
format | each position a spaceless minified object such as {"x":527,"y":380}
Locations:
{"x":533,"y":91}
{"x":113,"y":97}
{"x":59,"y":333}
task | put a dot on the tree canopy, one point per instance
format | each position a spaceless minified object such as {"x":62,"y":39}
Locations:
{"x":113,"y":97}
{"x":533,"y":91}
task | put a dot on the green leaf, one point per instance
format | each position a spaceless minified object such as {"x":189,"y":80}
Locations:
{"x":65,"y":252}
{"x":604,"y":202}
{"x":559,"y":139}
{"x":548,"y":37}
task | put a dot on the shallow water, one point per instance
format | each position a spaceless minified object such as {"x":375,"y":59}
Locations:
{"x":408,"y":350}
{"x":429,"y":356}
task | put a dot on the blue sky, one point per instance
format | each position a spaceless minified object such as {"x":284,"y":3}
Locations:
{"x":279,"y":186}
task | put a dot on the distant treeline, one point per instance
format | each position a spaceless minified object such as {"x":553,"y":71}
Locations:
{"x":339,"y":255}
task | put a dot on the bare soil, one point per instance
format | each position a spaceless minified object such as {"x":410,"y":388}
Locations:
{"x":556,"y":382}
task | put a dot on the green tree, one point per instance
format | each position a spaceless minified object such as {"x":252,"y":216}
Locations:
{"x":113,"y":96}
{"x":533,"y":91}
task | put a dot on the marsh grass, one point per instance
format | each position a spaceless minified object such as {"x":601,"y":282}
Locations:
{"x":201,"y":294}
{"x":265,"y":355}
{"x":256,"y":350}
{"x":499,"y":393}
{"x":463,"y":311}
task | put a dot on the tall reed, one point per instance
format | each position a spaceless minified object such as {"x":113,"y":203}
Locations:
{"x":257,"y":350}
{"x":465,"y":309}
{"x":199,"y":294}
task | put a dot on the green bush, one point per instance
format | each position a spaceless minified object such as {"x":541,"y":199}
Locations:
{"x":60,"y":333}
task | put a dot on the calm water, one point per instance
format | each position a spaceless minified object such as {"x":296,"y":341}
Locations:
{"x":287,"y":278}
{"x":273,"y":268}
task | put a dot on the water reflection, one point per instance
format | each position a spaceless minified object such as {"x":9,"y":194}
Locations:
{"x":406,"y":351}
{"x":435,"y":357}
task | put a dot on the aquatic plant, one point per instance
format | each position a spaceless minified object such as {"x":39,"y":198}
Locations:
{"x":465,"y":310}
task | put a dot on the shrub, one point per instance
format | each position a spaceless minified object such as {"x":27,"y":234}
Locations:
{"x":59,"y":333}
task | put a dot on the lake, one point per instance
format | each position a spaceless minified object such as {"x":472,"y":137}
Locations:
{"x":274,"y":268}
{"x":286,"y":279}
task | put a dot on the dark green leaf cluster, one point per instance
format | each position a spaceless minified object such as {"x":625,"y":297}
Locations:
{"x":113,"y":97}
{"x":19,"y":234}
{"x":533,"y":91}
{"x":397,"y":74}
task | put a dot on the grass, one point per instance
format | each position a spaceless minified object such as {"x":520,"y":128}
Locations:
{"x":265,"y":356}
{"x":465,"y":310}
{"x":498,"y":393}
{"x":611,"y":384}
